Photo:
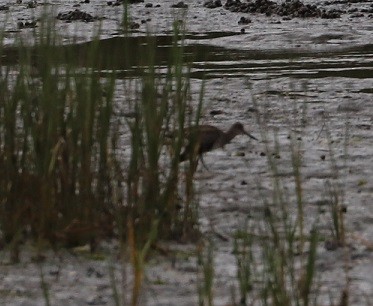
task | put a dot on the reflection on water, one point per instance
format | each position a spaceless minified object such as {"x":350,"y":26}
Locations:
{"x":209,"y":61}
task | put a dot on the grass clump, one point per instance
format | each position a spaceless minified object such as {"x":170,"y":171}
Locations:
{"x":62,"y":183}
{"x":56,"y":146}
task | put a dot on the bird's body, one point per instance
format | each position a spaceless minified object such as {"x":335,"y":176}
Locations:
{"x":208,"y":138}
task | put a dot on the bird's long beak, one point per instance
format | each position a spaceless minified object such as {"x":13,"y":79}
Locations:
{"x":251,"y":136}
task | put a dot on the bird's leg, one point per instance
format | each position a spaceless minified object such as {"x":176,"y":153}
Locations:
{"x":203,"y":162}
{"x":194,"y":165}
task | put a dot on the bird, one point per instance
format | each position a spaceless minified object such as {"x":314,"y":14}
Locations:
{"x":208,"y":138}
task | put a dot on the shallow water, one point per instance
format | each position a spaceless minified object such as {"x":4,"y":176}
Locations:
{"x":306,"y":76}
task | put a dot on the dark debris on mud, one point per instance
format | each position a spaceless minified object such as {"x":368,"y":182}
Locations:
{"x":287,"y":9}
{"x":120,"y":2}
{"x":290,"y":8}
{"x":76,"y":15}
{"x":27,"y":24}
{"x":4,"y":7}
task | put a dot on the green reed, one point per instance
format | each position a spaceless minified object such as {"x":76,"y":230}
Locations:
{"x":62,"y":180}
{"x":57,"y":145}
{"x":336,"y":198}
{"x":205,"y":277}
{"x":156,"y":206}
{"x":245,"y":261}
{"x":334,"y":188}
{"x":284,"y":271}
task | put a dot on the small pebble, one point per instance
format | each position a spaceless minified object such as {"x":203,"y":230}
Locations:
{"x":252,"y":110}
{"x":244,"y":20}
{"x":180,"y":4}
{"x":332,"y":245}
{"x":276,"y":155}
{"x":216,"y":112}
{"x":31,"y":4}
{"x":357,"y":15}
{"x":54,"y":272}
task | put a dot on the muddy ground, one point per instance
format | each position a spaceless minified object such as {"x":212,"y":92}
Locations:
{"x":313,"y":71}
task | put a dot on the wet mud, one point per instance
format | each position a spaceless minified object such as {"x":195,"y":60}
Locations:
{"x":309,"y":78}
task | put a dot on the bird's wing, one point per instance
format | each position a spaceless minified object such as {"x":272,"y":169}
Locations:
{"x":207,"y":137}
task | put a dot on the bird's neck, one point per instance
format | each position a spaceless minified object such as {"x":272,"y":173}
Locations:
{"x":228,"y":136}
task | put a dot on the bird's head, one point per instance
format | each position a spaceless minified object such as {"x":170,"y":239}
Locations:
{"x":238,"y":129}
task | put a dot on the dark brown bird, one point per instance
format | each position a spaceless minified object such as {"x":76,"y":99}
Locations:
{"x":208,"y":138}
